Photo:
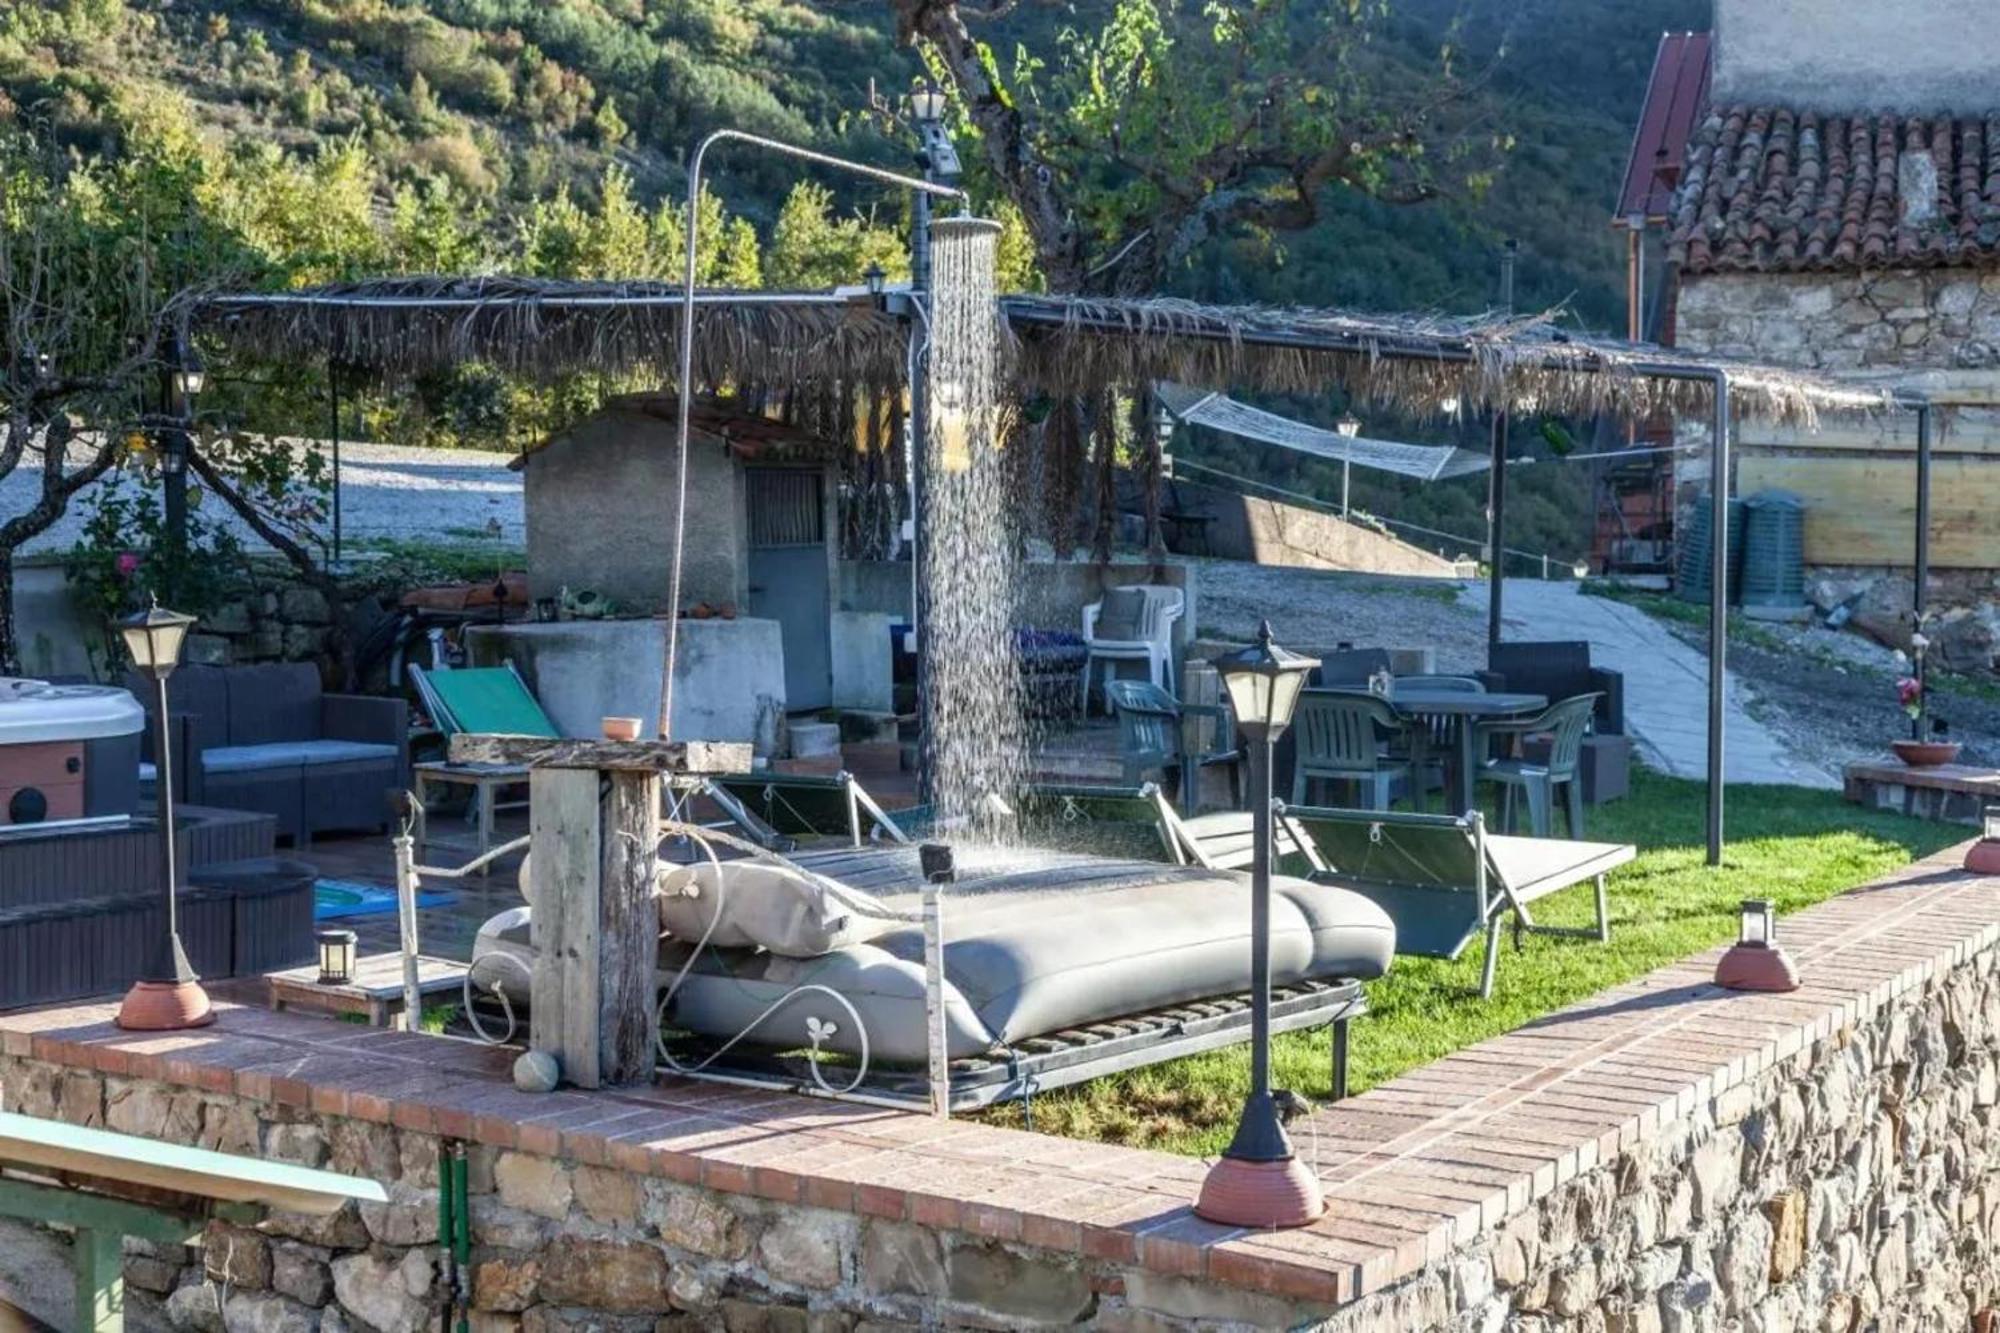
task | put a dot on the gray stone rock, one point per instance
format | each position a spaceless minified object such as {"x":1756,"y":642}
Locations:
{"x":360,"y":1148}
{"x":375,"y":1289}
{"x":196,"y":1307}
{"x":622,"y":1277}
{"x":205,"y":650}
{"x":694,"y":1220}
{"x":607,"y":1196}
{"x":303,"y":1144}
{"x":304,"y":606}
{"x":236,"y":1257}
{"x":505,"y":1281}
{"x":300,"y":1272}
{"x":231,"y":618}
{"x":533,"y":1184}
{"x":266,"y":1312}
{"x":997,"y":1281}
{"x":341,"y":1229}
{"x":806,"y":1249}
{"x":495,"y":1223}
{"x":302,"y":642}
{"x":149,"y":1272}
{"x":898,"y":1259}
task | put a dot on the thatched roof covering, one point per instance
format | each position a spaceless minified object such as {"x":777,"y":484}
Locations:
{"x":1416,"y":363}
{"x":544,"y":328}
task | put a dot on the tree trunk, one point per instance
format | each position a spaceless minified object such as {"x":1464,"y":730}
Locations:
{"x":10,"y":647}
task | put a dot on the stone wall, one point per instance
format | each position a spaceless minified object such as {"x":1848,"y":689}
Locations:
{"x":560,"y":1246}
{"x":1854,"y":1184}
{"x":1937,"y":319}
{"x":1836,"y":55}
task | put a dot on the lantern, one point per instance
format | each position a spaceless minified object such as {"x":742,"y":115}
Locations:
{"x":1263,"y":682}
{"x":153,"y":640}
{"x":1983,"y":857}
{"x":336,"y":956}
{"x":927,"y":103}
{"x":876,"y":279}
{"x":1349,"y":425}
{"x":1757,"y":962}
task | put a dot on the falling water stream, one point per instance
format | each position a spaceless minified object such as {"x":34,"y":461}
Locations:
{"x":975,"y":724}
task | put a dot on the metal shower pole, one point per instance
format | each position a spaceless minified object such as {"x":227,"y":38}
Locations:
{"x":1921,"y":575}
{"x":687,"y":355}
{"x":1496,"y":487}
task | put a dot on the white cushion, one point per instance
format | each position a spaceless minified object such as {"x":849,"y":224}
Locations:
{"x":760,"y":905}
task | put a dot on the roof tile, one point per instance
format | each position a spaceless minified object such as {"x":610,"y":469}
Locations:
{"x":1772,"y":189}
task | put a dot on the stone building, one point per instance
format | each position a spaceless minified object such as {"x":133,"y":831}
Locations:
{"x":1836,"y":204}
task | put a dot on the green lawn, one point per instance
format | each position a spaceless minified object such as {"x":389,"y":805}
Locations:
{"x":1789,"y":844}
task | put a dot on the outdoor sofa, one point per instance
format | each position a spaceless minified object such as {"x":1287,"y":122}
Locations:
{"x":267,"y":738}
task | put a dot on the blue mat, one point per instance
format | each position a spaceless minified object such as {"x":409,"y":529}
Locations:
{"x":334,"y":899}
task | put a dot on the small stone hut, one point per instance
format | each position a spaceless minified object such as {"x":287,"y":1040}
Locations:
{"x":762,"y":522}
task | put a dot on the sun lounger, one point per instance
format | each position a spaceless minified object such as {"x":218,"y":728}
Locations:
{"x":1443,"y":879}
{"x":793,"y":805}
{"x":1062,"y":969}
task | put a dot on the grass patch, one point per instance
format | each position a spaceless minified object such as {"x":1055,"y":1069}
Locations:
{"x":1793,"y":845}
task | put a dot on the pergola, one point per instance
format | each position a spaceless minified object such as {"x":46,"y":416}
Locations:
{"x":1502,"y":366}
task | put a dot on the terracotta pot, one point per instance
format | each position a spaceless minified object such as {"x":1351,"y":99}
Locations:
{"x":1925,"y":754}
{"x":621,"y":728}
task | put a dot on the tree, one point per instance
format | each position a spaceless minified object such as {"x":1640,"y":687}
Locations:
{"x":77,"y":333}
{"x":1127,"y":148}
{"x":811,"y":248}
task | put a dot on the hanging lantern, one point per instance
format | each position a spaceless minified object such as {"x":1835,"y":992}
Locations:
{"x":1983,"y":857}
{"x":1757,"y":961}
{"x":336,"y":957}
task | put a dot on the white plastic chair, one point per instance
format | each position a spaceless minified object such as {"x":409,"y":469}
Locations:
{"x":1154,"y":647}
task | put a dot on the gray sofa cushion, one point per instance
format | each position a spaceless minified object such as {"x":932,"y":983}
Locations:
{"x":292,"y":754}
{"x":277,"y":701}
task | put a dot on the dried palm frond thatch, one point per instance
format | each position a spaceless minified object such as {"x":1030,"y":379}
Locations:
{"x":1420,"y":364}
{"x":542,"y":329}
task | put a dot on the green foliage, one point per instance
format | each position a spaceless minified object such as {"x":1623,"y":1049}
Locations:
{"x":811,"y":247}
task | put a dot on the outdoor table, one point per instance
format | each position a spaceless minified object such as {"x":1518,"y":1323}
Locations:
{"x":1463,"y":708}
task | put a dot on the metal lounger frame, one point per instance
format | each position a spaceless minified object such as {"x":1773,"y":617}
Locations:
{"x":1492,"y":895}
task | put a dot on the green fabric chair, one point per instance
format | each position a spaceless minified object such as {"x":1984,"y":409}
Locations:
{"x":482,"y":701}
{"x":1549,"y":745}
{"x":1341,"y":738}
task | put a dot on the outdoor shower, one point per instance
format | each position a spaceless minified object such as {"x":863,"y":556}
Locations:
{"x":972,"y":708}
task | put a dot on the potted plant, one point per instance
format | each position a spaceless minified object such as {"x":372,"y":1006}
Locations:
{"x":1920,"y":752}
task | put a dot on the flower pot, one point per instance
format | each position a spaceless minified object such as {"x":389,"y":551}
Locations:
{"x":621,"y":728}
{"x":1925,"y":754}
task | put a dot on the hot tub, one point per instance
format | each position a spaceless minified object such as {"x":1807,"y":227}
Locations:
{"x":69,"y":754}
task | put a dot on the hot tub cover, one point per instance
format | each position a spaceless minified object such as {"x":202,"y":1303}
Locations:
{"x":33,"y":711}
{"x":1023,"y":962}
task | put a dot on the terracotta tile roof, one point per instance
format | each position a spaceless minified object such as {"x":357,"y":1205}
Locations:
{"x":1770,"y":189}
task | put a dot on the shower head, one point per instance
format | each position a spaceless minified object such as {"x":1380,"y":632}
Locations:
{"x":963,"y":225}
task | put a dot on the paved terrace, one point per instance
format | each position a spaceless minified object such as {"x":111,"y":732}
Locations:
{"x":1411,"y":1168}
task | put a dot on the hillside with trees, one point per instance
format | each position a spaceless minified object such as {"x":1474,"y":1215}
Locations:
{"x":1368,"y":153}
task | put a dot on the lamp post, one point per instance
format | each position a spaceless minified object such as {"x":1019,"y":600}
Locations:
{"x":169,"y":994}
{"x":1258,"y":1182}
{"x":186,"y":378}
{"x":1349,"y":426}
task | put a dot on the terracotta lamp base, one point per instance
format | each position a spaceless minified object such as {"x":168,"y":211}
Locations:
{"x":1983,"y":857}
{"x":163,"y":1006}
{"x":1756,"y":967}
{"x":1260,"y":1194}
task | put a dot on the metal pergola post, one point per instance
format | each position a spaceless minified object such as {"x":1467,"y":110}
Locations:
{"x":1718,"y":609}
{"x":1496,"y":528}
{"x":1921,"y":575}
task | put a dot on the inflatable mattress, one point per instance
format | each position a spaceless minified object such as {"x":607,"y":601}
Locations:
{"x":1075,"y":940}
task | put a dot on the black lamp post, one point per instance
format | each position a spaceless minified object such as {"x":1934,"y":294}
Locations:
{"x":186,"y":378}
{"x":169,"y":994}
{"x":1258,"y":1182}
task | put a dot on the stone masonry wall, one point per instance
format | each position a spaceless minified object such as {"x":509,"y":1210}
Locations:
{"x":1852,"y":1186}
{"x":561,"y":1246}
{"x":1940,"y":319}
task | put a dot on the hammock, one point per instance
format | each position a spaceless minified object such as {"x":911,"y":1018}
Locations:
{"x":1220,"y":412}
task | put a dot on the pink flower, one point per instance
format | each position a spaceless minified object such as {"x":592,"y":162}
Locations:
{"x":127,"y":564}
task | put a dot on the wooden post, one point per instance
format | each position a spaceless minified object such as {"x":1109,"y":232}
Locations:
{"x":594,"y":830}
{"x":407,"y":889}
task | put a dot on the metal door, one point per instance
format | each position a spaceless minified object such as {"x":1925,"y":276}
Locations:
{"x":788,"y":576}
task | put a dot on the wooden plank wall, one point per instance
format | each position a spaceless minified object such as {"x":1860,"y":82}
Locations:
{"x":1858,"y":480}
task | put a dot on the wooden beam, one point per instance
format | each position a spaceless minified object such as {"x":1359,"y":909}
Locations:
{"x":628,"y":929}
{"x":99,"y":1261}
{"x":563,"y":830}
{"x":1861,"y":511}
{"x":605,"y":756}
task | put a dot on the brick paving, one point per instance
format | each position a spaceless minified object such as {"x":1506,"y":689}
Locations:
{"x":1411,"y":1169}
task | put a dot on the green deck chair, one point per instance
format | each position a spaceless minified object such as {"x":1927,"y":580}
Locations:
{"x":1443,"y":879}
{"x":482,"y":701}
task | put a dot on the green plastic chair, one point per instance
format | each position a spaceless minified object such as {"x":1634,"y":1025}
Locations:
{"x":1340,"y":739}
{"x":1537,"y":775}
{"x":1151,"y":739}
{"x":482,"y":701}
